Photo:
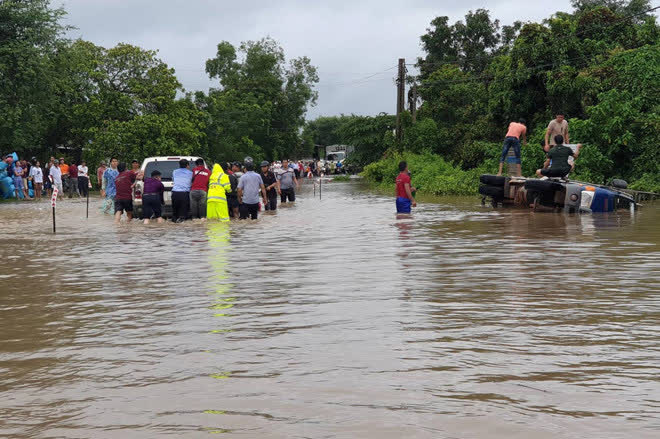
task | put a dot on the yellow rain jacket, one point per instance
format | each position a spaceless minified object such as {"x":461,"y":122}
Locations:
{"x":216,"y":204}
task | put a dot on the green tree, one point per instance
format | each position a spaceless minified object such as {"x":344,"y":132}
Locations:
{"x":598,"y":65}
{"x":325,"y":130}
{"x":30,"y":35}
{"x":260,"y":106}
{"x":131,"y":109}
{"x":371,"y":137}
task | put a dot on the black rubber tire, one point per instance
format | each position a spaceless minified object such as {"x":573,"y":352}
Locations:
{"x":543,"y":186}
{"x":492,"y":180}
{"x":494,"y":192}
{"x":619,"y":184}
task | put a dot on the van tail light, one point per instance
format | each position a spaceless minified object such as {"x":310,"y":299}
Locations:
{"x":137,"y":191}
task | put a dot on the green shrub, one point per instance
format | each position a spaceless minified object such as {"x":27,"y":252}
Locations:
{"x":648,"y":183}
{"x":431,"y":174}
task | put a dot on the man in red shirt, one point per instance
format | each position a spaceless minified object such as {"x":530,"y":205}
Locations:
{"x":512,"y":140}
{"x":73,"y":180}
{"x":200,"y":185}
{"x":404,"y":196}
{"x":124,"y":198}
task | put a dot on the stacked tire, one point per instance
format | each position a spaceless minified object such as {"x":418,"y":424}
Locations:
{"x":492,"y":186}
{"x":542,"y":191}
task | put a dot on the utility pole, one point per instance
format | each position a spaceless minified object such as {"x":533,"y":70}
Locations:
{"x":400,"y":97}
{"x":413,"y":107}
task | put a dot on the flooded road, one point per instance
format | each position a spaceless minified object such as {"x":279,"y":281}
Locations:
{"x":331,"y":319}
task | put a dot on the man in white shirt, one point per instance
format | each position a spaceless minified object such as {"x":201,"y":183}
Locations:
{"x":56,"y":178}
{"x":288,"y":182}
{"x":37,"y":176}
{"x":83,"y":179}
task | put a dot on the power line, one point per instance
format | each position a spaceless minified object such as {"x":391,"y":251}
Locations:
{"x":366,"y":78}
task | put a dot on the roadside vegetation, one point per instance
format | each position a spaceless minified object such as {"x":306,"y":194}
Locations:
{"x":598,"y":65}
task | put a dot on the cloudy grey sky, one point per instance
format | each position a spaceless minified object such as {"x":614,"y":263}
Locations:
{"x":353,"y":43}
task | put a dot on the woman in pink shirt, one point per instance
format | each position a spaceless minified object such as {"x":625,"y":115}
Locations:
{"x":512,"y":140}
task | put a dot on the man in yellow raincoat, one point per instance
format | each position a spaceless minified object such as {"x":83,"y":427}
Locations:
{"x":216,"y":204}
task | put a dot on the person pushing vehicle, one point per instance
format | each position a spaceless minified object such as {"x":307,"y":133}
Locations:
{"x":219,"y":185}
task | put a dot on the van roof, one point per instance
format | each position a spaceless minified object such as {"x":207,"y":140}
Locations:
{"x":171,"y":158}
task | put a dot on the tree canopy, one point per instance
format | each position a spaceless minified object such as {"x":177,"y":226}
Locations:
{"x":95,"y":102}
{"x":598,"y":65}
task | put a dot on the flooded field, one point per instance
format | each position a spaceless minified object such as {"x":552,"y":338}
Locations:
{"x":331,"y":319}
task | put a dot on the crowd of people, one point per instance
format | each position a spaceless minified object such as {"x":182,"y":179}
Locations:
{"x":232,"y":190}
{"x":32,"y":181}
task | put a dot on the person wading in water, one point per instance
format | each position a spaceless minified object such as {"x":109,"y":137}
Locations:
{"x":404,"y":196}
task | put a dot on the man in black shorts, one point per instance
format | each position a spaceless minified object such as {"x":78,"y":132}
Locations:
{"x":124,"y":198}
{"x":234,"y":173}
{"x":272,"y":185}
{"x":557,"y":165}
{"x":153,"y":198}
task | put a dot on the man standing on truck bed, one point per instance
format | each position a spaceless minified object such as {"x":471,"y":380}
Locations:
{"x":557,"y":127}
{"x":512,"y":140}
{"x":558,"y":155}
{"x":181,"y":184}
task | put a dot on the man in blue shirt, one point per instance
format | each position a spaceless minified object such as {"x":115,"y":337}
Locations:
{"x":108,"y":189}
{"x":249,"y":187}
{"x":182,"y":182}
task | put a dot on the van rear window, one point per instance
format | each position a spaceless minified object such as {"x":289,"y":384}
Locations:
{"x":165,"y":167}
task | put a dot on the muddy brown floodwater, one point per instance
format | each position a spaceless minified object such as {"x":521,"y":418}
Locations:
{"x":331,"y":319}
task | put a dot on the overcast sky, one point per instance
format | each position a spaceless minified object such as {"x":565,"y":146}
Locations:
{"x":353,"y":43}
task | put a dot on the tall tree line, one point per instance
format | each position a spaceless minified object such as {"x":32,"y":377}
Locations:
{"x":598,"y":64}
{"x":95,"y":102}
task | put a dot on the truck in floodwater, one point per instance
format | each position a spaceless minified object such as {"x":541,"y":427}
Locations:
{"x":335,"y":156}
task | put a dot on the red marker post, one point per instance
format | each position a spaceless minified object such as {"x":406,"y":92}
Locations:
{"x":53,"y":203}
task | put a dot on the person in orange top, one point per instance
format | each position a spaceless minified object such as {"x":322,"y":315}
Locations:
{"x":512,"y":140}
{"x":65,"y":175}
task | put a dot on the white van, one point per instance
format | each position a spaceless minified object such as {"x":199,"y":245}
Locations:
{"x":166,"y":165}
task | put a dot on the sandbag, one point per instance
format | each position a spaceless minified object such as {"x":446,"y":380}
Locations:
{"x":7,"y":188}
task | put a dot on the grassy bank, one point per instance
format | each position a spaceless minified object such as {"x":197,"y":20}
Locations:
{"x":432,"y":174}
